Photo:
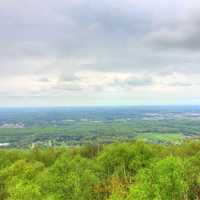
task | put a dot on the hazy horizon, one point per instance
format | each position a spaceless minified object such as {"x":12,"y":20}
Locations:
{"x":161,"y":106}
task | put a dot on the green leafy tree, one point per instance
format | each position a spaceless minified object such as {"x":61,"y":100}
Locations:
{"x":124,"y":160}
{"x":166,"y":180}
{"x":19,"y":180}
{"x":70,"y":178}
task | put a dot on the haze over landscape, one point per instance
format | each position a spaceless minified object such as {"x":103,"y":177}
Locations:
{"x":82,"y":52}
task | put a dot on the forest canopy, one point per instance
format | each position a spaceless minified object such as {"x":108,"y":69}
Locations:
{"x":120,"y":171}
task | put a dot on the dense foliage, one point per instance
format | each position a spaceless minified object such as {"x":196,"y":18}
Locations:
{"x":121,"y":171}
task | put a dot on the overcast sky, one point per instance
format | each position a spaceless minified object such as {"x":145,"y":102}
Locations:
{"x":99,"y":52}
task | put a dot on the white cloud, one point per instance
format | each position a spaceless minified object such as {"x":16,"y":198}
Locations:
{"x":103,"y":47}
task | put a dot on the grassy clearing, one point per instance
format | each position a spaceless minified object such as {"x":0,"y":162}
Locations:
{"x":162,"y":137}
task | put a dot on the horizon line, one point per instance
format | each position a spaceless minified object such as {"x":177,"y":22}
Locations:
{"x":93,"y":106}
